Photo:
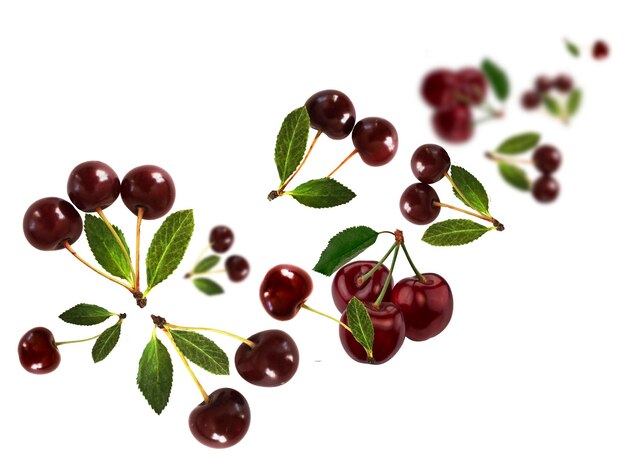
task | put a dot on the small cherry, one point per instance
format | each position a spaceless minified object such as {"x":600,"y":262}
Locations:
{"x":151,"y":188}
{"x":439,"y":88}
{"x":376,"y":140}
{"x":38,"y":351}
{"x":454,"y":123}
{"x":547,"y":159}
{"x":221,"y":238}
{"x":543,"y":84}
{"x":93,"y":185}
{"x":332,"y":113}
{"x":417,"y":204}
{"x":347,"y":283}
{"x":531,"y":99}
{"x":272,"y":361}
{"x":430,"y":163}
{"x":221,"y":421}
{"x":237,"y":268}
{"x":600,"y":50}
{"x":51,"y":222}
{"x":563,"y":83}
{"x":545,"y":189}
{"x":472,"y":85}
{"x":284,"y":289}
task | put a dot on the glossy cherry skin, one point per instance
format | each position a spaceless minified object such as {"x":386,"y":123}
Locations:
{"x":543,"y":84}
{"x":454,"y":123}
{"x":221,"y":238}
{"x":93,"y":185}
{"x":237,"y":268}
{"x":331,"y":112}
{"x":547,"y":159}
{"x":221,"y":422}
{"x":563,"y":83}
{"x":38,"y":352}
{"x":427,"y":307}
{"x":272,"y":362}
{"x":150,"y":187}
{"x":49,"y":222}
{"x":430,"y":163}
{"x":439,"y":88}
{"x":346,"y":283}
{"x":376,"y":140}
{"x":531,"y":99}
{"x":389,"y":334}
{"x":416,"y":204}
{"x":545,"y":189}
{"x":284,"y":289}
{"x":600,"y":50}
{"x":472,"y":85}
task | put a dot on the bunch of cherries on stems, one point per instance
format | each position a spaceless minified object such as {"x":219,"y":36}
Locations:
{"x":268,"y":358}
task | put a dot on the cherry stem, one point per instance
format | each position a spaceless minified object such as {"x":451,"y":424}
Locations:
{"x":371,"y":272}
{"x":282,"y":187}
{"x":419,"y":276}
{"x":118,"y":240}
{"x":120,"y":320}
{"x":388,"y":280}
{"x":475,"y":214}
{"x":140,"y":212}
{"x":187,"y":366}
{"x":354,"y":152}
{"x":214,"y":330}
{"x":499,"y":158}
{"x":69,"y":248}
{"x":306,"y":307}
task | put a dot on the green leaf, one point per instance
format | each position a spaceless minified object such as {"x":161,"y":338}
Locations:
{"x":291,"y":142}
{"x":360,"y":324}
{"x":552,"y":105}
{"x":471,"y":188}
{"x":85,"y":314}
{"x":572,"y":48}
{"x":515,"y":176}
{"x":106,"y":249}
{"x":320,"y":193}
{"x":344,"y":247}
{"x":573,"y":101}
{"x":454,"y":232}
{"x":202,"y":351}
{"x":497,"y":78}
{"x":519,"y":143}
{"x":155,"y":374}
{"x":168,"y":246}
{"x":106,"y":342}
{"x":207,"y":286}
{"x":206,"y":264}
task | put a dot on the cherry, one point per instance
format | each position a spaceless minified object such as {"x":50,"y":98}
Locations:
{"x":472,"y":85}
{"x":222,"y":421}
{"x":600,"y":50}
{"x":150,"y":187}
{"x":563,"y":83}
{"x":454,"y":123}
{"x":221,"y":238}
{"x":543,"y":84}
{"x":38,"y":352}
{"x":273,"y":360}
{"x":547,"y":159}
{"x":376,"y":140}
{"x":545,"y":189}
{"x":531,"y":99}
{"x":284,"y":289}
{"x":430,"y":163}
{"x":389,"y":333}
{"x":426,"y":306}
{"x":93,"y":185}
{"x":439,"y":88}
{"x":331,"y":112}
{"x":237,"y":268}
{"x":49,"y":222}
{"x":416,"y":204}
{"x":347,"y":283}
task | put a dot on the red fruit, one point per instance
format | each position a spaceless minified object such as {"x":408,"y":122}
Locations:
{"x":150,"y":187}
{"x":346,"y":283}
{"x":49,"y":222}
{"x":38,"y":352}
{"x":331,"y":112}
{"x":417,"y":204}
{"x":93,"y":185}
{"x":545,"y":189}
{"x":376,"y":140}
{"x":472,"y":85}
{"x":547,"y":159}
{"x":531,"y":99}
{"x":430,"y":163}
{"x":454,"y":123}
{"x":284,"y":289}
{"x":439,"y":88}
{"x":600,"y":50}
{"x":543,"y":84}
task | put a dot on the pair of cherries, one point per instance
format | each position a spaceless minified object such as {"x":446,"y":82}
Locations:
{"x":531,"y":99}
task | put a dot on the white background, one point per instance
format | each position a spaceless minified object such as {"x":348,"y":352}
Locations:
{"x":529,"y":373}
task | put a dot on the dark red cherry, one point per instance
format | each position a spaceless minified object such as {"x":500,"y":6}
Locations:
{"x":272,"y":362}
{"x":454,"y":123}
{"x":284,"y":289}
{"x":472,"y":85}
{"x":416,"y":204}
{"x":221,"y":238}
{"x":237,"y":268}
{"x":427,"y":306}
{"x":150,"y":187}
{"x":563,"y":83}
{"x":600,"y":50}
{"x":93,"y":185}
{"x":389,"y":333}
{"x":347,"y":283}
{"x":331,"y":112}
{"x":430,"y":163}
{"x":38,"y":352}
{"x":221,"y":422}
{"x":376,"y":140}
{"x":439,"y":88}
{"x":531,"y":99}
{"x":50,"y":221}
{"x":547,"y":159}
{"x":543,"y":84}
{"x":545,"y":189}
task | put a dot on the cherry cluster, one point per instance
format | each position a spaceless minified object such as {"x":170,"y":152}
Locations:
{"x":532,"y":99}
{"x":547,"y":159}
